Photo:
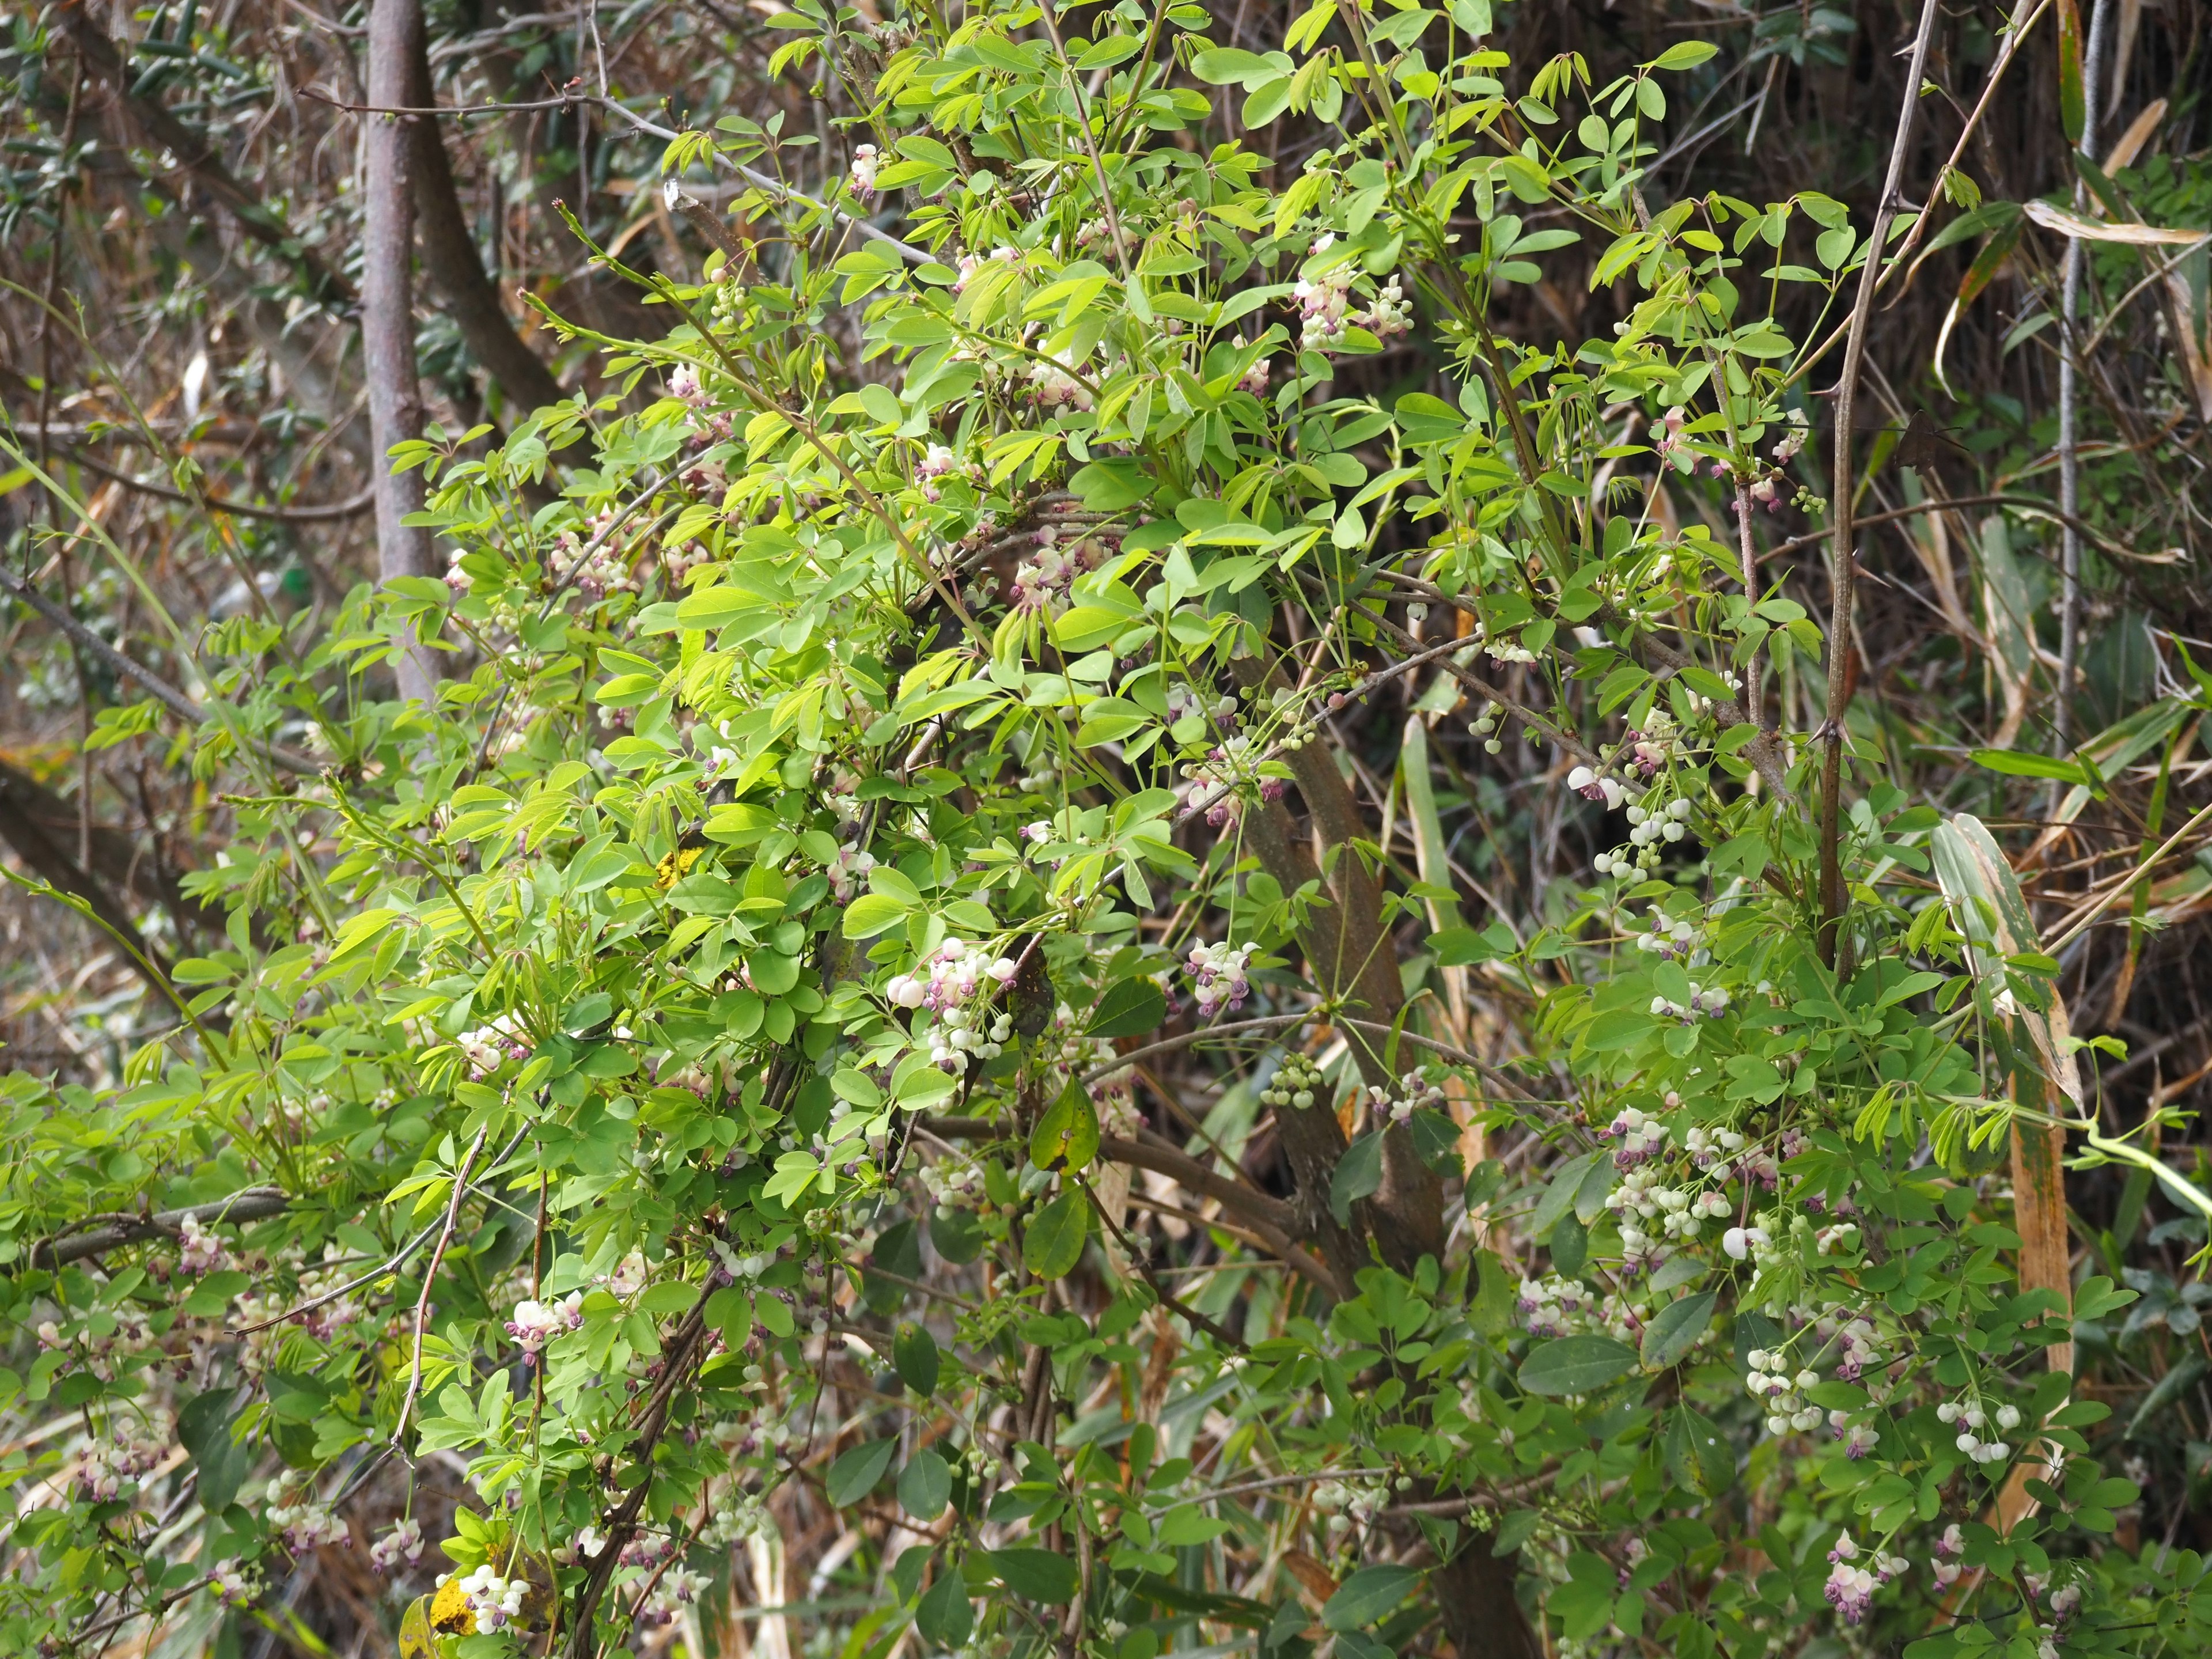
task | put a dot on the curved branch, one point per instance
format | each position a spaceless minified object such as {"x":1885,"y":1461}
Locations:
{"x":252,"y":1204}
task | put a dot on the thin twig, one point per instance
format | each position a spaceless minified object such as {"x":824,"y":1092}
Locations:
{"x":430,"y":1277}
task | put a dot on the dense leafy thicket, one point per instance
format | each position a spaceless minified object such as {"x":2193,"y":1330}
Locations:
{"x":881,"y":998}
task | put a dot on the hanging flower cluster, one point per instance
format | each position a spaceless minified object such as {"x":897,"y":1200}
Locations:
{"x":1971,"y":1417}
{"x":537,"y":1323}
{"x":401,"y":1546}
{"x":1850,"y":1588}
{"x":1043,"y":580}
{"x":1413,"y":1092}
{"x":1218,"y":975}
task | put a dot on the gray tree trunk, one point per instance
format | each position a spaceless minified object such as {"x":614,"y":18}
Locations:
{"x":395,"y":398}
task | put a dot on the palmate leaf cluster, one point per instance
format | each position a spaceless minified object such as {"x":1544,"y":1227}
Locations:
{"x":717,"y":1005}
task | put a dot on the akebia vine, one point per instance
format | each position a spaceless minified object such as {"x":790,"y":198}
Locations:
{"x":706,"y":1064}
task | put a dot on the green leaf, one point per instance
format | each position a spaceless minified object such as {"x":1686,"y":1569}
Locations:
{"x":871,"y":914}
{"x":855,"y":1473}
{"x":914,"y":1355}
{"x":2073,"y":104}
{"x":1367,"y":1596}
{"x":1675,"y":1330}
{"x":1559,"y":1197}
{"x":1066,"y":1137}
{"x":1576,"y":1364}
{"x":1130,"y":1007}
{"x":944,"y":1616}
{"x":1684,"y":55}
{"x":1699,"y":1455}
{"x":1039,"y":1575}
{"x":925,"y":1486}
{"x":1054,"y":1243}
{"x":2170,"y":1388}
{"x":1359,"y":1173}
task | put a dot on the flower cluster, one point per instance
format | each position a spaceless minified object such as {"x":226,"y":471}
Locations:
{"x":199,"y":1250}
{"x":1231,"y":767}
{"x":537,"y":1323}
{"x":1218,"y":974}
{"x":961,"y":1033}
{"x":490,"y":1046}
{"x":1549,"y":1306}
{"x":494,"y":1602}
{"x":1414,"y":1092}
{"x":403,"y":1544}
{"x":972,"y":263}
{"x":305,"y":1525}
{"x":1641,"y":1137}
{"x":1350,"y":1504}
{"x":678,"y":1588}
{"x":1709,"y":1149}
{"x":235,"y":1584}
{"x":1706,"y":1002}
{"x":112,"y":1467}
{"x":1393,"y":312}
{"x":1055,"y":387}
{"x":1044,"y":579}
{"x":1640,"y":1197}
{"x":1946,"y":1563}
{"x":1973,"y":1417}
{"x":846,"y":871}
{"x":1184,"y":699}
{"x":938,"y":461}
{"x":1671,"y":936}
{"x":1324,"y":302}
{"x":1850,"y":1588}
{"x":863,"y":175}
{"x":1858,"y":1438}
{"x":1668,"y":443}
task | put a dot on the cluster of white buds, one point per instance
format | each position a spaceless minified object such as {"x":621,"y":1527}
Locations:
{"x":846,"y":869}
{"x":1296,"y":1082}
{"x":1185,"y":699}
{"x":678,"y":1588}
{"x":739,"y":1516}
{"x":1414,"y":1092}
{"x":1484,"y":727}
{"x":1553,"y":1306}
{"x":972,"y":263}
{"x":1392,"y":313}
{"x":1218,"y":975}
{"x":952,"y":1187}
{"x":1640,"y":1197}
{"x":495,"y":1601}
{"x":1706,"y":1002}
{"x":1858,"y":1438}
{"x":537,"y":1323}
{"x":1973,"y":1417}
{"x":401,"y":1546}
{"x":1770,"y":1383}
{"x":1044,"y":579}
{"x":1665,"y":822}
{"x":1641,"y":1136}
{"x":1851,"y":1586}
{"x":1945,"y":1561}
{"x":199,"y":1251}
{"x":1324,"y":302}
{"x":490,"y":1045}
{"x":1711,"y":1149}
{"x":863,"y":175}
{"x":1350,"y":1502}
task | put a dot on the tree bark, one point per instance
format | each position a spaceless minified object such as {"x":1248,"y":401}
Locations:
{"x":395,"y":397}
{"x":453,"y":263}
